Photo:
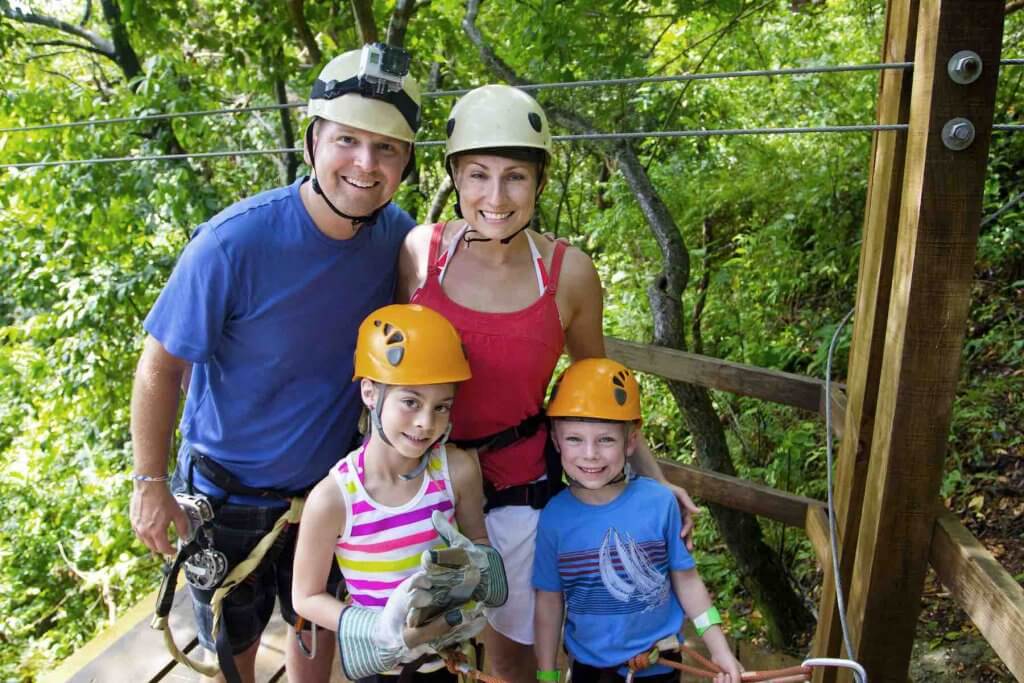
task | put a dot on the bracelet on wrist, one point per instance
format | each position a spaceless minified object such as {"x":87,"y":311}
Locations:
{"x":150,"y":477}
{"x":548,"y":675}
{"x":705,"y":621}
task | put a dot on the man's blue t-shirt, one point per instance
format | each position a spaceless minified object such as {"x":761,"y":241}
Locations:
{"x":611,"y":563}
{"x":267,"y":308}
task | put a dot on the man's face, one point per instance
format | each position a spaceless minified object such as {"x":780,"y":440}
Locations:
{"x":359,"y":171}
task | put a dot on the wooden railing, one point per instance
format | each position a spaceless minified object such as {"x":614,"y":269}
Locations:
{"x":984,"y":589}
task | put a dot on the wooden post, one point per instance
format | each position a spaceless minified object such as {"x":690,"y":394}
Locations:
{"x":878,"y":249}
{"x":940,"y":213}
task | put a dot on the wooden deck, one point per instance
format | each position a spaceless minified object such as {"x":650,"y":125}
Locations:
{"x":132,"y":652}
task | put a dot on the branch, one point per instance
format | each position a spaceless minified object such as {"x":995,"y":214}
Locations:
{"x":1013,"y":6}
{"x":366,"y":26}
{"x":440,"y":199}
{"x":404,"y":10}
{"x":69,"y":43}
{"x":302,"y":28}
{"x":290,"y":161}
{"x":100,"y":45}
{"x":124,"y":53}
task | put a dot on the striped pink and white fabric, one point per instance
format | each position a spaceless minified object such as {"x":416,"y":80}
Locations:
{"x":381,"y":545}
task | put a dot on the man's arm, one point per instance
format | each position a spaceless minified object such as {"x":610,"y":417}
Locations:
{"x":158,"y":379}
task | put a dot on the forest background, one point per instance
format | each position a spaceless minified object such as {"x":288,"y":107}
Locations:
{"x":771,"y":227}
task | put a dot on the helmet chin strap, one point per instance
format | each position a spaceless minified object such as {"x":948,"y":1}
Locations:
{"x":624,"y":476}
{"x":357,"y":221}
{"x":425,"y":458}
{"x":378,"y":428}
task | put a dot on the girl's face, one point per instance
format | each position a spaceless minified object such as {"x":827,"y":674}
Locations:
{"x":593,"y":453}
{"x":497,"y":195}
{"x":413,"y":417}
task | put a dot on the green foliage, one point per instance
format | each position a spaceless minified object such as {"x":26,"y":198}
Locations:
{"x":87,"y":248}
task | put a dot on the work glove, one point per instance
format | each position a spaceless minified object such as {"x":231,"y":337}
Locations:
{"x":461,"y":572}
{"x":373,"y":641}
{"x":466,"y":622}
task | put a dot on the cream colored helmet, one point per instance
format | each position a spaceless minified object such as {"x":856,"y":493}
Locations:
{"x":497,"y":116}
{"x":340,"y":95}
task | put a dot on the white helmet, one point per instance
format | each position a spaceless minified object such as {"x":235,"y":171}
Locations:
{"x":497,"y":116}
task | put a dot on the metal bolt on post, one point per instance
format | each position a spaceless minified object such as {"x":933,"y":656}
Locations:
{"x":964,"y":67}
{"x":958,"y":134}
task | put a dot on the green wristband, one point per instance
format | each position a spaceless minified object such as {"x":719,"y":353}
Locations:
{"x":548,"y":675}
{"x":705,"y":621}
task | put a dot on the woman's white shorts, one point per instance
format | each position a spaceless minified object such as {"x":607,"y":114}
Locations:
{"x":513,"y":532}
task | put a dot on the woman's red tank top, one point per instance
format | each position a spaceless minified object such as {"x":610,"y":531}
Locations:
{"x":512,"y":356}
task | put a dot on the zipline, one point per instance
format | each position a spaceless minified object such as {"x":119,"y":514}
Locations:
{"x":596,"y":137}
{"x":795,"y":71}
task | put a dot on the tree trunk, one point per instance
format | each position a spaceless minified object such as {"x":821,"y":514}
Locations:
{"x":367,"y":27}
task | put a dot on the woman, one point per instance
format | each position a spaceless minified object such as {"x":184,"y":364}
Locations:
{"x":517,"y":300}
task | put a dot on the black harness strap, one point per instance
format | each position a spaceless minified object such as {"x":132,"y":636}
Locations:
{"x":506,"y":437}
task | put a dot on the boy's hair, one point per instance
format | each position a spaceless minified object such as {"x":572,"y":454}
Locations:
{"x":597,"y":389}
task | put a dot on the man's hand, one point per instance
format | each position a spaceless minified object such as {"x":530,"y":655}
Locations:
{"x":153,"y":510}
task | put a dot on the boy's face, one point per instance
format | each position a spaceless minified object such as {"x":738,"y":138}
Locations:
{"x":593,"y":453}
{"x":413,"y":417}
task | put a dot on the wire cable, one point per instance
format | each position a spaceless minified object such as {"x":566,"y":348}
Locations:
{"x":1003,"y":209}
{"x":451,"y":93}
{"x":833,"y":532}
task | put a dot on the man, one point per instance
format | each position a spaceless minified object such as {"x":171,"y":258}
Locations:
{"x":260,"y":318}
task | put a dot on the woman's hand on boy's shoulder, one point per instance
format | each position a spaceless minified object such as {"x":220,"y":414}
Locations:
{"x":688,"y":509}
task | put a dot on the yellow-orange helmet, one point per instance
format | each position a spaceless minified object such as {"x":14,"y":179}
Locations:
{"x":408,"y":344}
{"x":596,"y":389}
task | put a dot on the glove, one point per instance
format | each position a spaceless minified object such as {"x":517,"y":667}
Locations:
{"x":466,"y":621}
{"x":373,"y":641}
{"x":461,"y":572}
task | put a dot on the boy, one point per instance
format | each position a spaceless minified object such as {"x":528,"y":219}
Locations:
{"x":608,"y":546}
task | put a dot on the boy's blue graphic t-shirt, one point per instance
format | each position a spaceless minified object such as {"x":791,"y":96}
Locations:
{"x":267,"y":307}
{"x":611,"y":563}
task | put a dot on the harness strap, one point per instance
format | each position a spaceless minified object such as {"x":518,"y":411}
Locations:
{"x":506,"y":437}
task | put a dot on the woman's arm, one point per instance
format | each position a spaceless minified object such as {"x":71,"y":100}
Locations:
{"x":323,"y":519}
{"x":412,"y":262}
{"x":467,"y":481}
{"x":694,"y":598}
{"x":547,"y":628}
{"x":581,"y":305}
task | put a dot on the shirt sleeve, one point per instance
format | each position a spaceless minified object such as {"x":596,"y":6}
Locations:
{"x":545,"y":557}
{"x":188,"y":317}
{"x":679,"y":559}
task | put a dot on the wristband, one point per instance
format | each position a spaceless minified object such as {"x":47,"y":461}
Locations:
{"x":548,"y":675}
{"x":705,"y":621}
{"x":147,"y":477}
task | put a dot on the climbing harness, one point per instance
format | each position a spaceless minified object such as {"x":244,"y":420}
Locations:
{"x":707,"y":669}
{"x":202,"y":572}
{"x":466,"y":662}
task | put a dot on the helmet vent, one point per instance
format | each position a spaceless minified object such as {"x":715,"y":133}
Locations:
{"x":395,"y":338}
{"x":535,"y":121}
{"x":620,"y":396}
{"x":450,"y":127}
{"x":395,"y":355}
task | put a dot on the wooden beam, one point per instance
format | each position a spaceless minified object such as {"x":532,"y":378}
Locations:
{"x":746,"y":380}
{"x":839,"y":402}
{"x":878,"y":248}
{"x":816,"y":526}
{"x":940,"y":212}
{"x":991,"y":597}
{"x":740,"y":494}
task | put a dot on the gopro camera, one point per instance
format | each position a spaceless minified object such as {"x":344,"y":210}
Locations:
{"x":383,"y":67}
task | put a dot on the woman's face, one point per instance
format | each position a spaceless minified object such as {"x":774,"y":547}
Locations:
{"x":498,"y":195}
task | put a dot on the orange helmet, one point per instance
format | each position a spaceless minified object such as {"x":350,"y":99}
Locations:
{"x":598,"y":389}
{"x":408,"y":344}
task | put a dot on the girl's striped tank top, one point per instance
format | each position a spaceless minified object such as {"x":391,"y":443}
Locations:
{"x":381,"y":545}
